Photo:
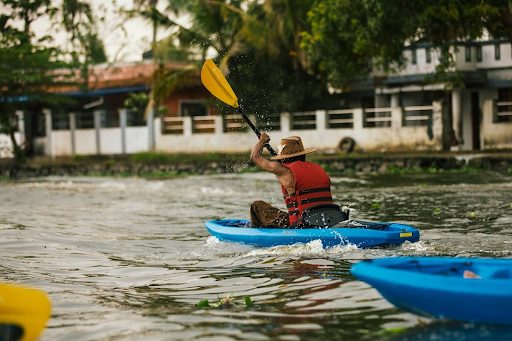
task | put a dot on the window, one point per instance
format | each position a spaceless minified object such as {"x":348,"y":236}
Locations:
{"x":414,"y":56}
{"x":497,"y":52}
{"x":503,"y":112}
{"x":428,"y":53}
{"x":479,"y":53}
{"x":468,"y":54}
{"x":193,"y":109}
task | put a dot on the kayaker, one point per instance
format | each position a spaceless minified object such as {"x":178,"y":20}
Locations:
{"x":303,"y":184}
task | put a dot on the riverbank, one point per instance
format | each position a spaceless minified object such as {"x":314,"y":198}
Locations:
{"x":153,"y":165}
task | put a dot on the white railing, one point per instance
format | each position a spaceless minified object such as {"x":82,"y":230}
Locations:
{"x":343,"y":118}
{"x":377,"y":117}
{"x":304,"y":120}
{"x":203,"y":124}
{"x":417,"y":115}
{"x":172,"y":125}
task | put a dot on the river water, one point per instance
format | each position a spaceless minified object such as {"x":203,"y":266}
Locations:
{"x":130,"y":259}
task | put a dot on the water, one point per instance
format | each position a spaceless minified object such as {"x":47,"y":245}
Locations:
{"x":130,"y":259}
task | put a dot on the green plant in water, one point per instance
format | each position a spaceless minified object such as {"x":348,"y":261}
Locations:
{"x":376,"y":205}
{"x":436,"y":210}
{"x":223,"y":303}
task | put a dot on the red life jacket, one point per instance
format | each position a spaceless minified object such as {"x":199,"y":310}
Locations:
{"x":312,"y":187}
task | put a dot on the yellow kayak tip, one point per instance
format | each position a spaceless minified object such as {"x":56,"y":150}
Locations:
{"x":24,"y":312}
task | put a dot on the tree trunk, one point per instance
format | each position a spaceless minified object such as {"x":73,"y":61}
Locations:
{"x":19,"y":156}
{"x":447,"y":121}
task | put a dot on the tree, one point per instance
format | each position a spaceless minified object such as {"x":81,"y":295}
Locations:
{"x":147,"y":9}
{"x":28,"y":67}
{"x":87,"y":48}
{"x":272,"y":69}
{"x":261,"y":46}
{"x":215,"y":26}
{"x":345,"y":35}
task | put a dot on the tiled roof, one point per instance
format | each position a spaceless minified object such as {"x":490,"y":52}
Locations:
{"x":121,"y":75}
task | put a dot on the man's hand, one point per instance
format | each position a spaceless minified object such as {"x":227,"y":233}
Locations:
{"x":264,"y":138}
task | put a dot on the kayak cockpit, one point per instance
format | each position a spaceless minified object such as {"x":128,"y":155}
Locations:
{"x":465,"y":269}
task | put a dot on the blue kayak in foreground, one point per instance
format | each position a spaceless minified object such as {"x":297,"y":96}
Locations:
{"x":464,"y":289}
{"x":359,"y":233}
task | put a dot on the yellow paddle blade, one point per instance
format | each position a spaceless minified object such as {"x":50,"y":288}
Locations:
{"x":216,"y":83}
{"x":23,"y":311}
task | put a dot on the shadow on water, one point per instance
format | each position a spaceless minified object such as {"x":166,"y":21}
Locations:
{"x":129,"y":259}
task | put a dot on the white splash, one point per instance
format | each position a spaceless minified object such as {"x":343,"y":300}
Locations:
{"x":417,"y":246}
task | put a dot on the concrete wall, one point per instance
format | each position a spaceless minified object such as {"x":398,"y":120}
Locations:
{"x":389,"y":134}
{"x":494,"y":135}
{"x":379,"y":139}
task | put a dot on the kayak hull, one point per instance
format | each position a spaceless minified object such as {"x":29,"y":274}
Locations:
{"x":464,"y":289}
{"x":232,"y":230}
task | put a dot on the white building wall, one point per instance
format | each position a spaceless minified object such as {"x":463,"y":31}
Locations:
{"x":85,"y":142}
{"x":494,"y":135}
{"x":110,"y":141}
{"x":61,"y":143}
{"x":136,"y":139}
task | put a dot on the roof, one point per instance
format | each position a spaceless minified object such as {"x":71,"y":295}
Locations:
{"x":120,"y":77}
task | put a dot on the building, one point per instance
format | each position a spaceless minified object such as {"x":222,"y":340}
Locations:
{"x":394,"y":112}
{"x":485,"y":69}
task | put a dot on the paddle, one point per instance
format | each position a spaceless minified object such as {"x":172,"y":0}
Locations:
{"x":216,"y":83}
{"x":23,"y":312}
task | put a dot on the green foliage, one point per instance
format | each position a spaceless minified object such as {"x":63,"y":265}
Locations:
{"x":28,"y":66}
{"x":136,"y":101}
{"x":346,"y":36}
{"x":78,"y":157}
{"x":261,"y":46}
{"x":248,"y":301}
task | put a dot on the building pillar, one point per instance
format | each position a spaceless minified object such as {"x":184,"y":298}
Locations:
{"x":395,"y":100}
{"x":285,"y":122}
{"x":396,"y":118}
{"x":21,"y":126}
{"x":123,"y":113}
{"x":187,"y":126}
{"x":151,"y":129}
{"x":49,"y":150}
{"x":437,"y":123}
{"x":72,"y":128}
{"x":358,"y":121}
{"x":97,"y":127}
{"x":219,"y":124}
{"x":321,"y":120}
{"x":457,"y":117}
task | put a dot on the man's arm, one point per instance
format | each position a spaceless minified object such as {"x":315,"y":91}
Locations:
{"x":284,"y":175}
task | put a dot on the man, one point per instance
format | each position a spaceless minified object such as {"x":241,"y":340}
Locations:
{"x":304,"y":184}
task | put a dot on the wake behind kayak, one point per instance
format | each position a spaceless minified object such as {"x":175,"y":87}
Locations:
{"x":359,"y":233}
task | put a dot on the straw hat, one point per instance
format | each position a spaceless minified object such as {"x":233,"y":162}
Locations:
{"x":291,"y":147}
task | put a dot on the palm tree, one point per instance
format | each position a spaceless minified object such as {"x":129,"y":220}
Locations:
{"x":147,"y":9}
{"x":78,"y":20}
{"x":215,"y":28}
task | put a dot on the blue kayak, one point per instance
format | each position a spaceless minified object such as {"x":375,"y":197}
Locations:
{"x":359,"y":233}
{"x":464,"y":289}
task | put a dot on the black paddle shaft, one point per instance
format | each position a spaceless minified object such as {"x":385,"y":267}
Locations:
{"x":256,"y":131}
